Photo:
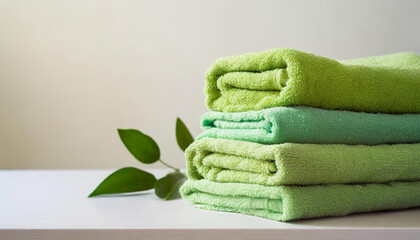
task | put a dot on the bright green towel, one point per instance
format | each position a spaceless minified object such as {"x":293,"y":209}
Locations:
{"x":312,"y":125}
{"x":296,"y":202}
{"x":225,"y":160}
{"x":288,"y":77}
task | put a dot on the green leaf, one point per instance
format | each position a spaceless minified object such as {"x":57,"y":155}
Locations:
{"x":167,"y":187}
{"x":183,"y":135}
{"x":125,"y":180}
{"x":140,"y":145}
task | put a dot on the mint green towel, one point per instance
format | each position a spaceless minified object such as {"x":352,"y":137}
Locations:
{"x":312,"y":125}
{"x":225,"y":160}
{"x":288,"y":77}
{"x":297,"y":202}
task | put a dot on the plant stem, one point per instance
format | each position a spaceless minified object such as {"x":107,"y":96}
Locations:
{"x":169,"y":166}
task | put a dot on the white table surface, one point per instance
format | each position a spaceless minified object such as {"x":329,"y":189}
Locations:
{"x":51,"y":204}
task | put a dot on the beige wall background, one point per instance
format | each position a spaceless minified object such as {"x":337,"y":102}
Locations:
{"x":72,"y":71}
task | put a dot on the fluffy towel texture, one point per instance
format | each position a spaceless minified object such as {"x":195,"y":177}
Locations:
{"x":296,"y":202}
{"x":224,"y":160}
{"x":288,"y":77}
{"x":312,"y":125}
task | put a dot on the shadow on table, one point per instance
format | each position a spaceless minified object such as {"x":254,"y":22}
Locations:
{"x":408,"y":218}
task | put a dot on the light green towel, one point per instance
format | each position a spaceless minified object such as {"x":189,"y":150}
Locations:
{"x":297,"y":202}
{"x":224,"y":160}
{"x":288,"y":77}
{"x":312,"y":125}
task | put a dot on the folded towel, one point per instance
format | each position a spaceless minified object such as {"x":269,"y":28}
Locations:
{"x":288,"y":77}
{"x":225,"y":160}
{"x":296,"y":202}
{"x":312,"y":125}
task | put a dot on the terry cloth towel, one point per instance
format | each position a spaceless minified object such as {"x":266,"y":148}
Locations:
{"x":312,"y":125}
{"x":225,"y":160}
{"x":288,"y":77}
{"x":297,"y":202}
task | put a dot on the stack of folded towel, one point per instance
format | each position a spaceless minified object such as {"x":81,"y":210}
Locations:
{"x":294,"y":135}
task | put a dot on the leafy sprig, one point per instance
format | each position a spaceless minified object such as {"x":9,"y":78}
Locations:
{"x":146,"y":150}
